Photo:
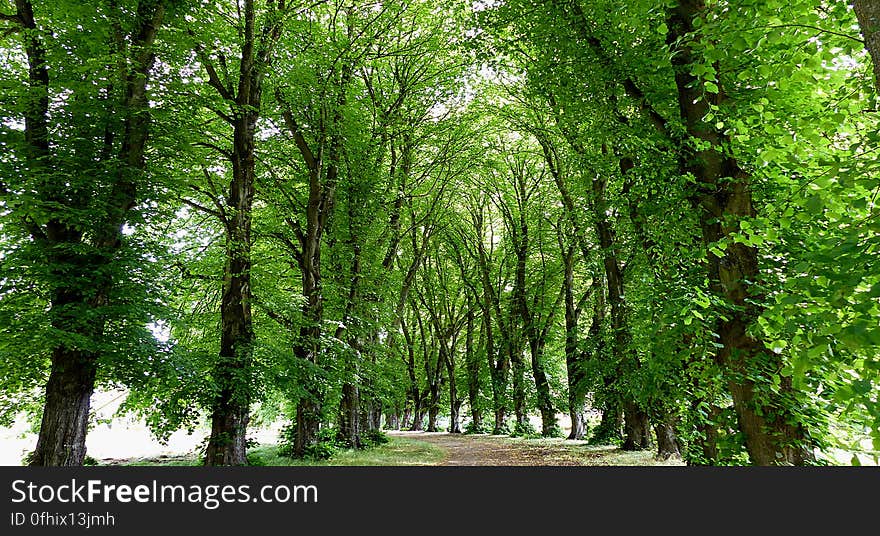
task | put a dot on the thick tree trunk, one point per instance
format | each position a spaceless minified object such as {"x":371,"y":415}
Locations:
{"x":868,"y":15}
{"x":349,"y":417}
{"x":433,"y":408}
{"x":636,"y":431}
{"x":418,"y":423}
{"x":62,"y":438}
{"x":667,"y":440}
{"x":406,"y":420}
{"x":376,"y":410}
{"x":767,"y":419}
{"x":230,"y":409}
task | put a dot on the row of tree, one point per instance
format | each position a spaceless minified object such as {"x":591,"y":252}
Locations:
{"x":341,"y":211}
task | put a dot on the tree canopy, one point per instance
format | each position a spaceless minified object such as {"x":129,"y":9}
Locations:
{"x":656,"y":219}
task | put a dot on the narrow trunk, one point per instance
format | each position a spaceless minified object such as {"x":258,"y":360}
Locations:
{"x":454,"y":403}
{"x":473,"y":370}
{"x":574,"y":358}
{"x":498,"y":365}
{"x":415,"y":412}
{"x":636,"y":430}
{"x":349,"y":419}
{"x":435,"y":379}
{"x":230,"y":408}
{"x":519,"y":389}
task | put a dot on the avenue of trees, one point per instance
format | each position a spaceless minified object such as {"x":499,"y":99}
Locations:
{"x":410,"y":214}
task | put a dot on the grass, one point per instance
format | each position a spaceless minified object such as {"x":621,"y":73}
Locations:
{"x":398,"y":451}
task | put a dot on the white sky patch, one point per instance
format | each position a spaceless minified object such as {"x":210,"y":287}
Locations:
{"x":160,"y":330}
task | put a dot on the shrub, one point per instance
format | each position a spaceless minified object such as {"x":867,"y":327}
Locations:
{"x":374,"y":438}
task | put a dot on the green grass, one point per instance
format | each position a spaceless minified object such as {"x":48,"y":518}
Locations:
{"x":398,"y":451}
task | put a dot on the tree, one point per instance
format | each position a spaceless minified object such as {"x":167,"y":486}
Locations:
{"x":82,"y":181}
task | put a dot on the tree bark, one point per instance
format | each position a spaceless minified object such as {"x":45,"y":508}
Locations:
{"x":636,"y":429}
{"x":231,"y":407}
{"x":62,"y":438}
{"x":448,"y":357}
{"x":349,"y":417}
{"x":499,"y":365}
{"x":414,"y":392}
{"x":323,"y":175}
{"x":868,"y":15}
{"x":609,"y":429}
{"x":667,"y":440}
{"x":473,"y":371}
{"x":574,"y":357}
{"x":772,"y":431}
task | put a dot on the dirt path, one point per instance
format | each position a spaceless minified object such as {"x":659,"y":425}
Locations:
{"x":473,"y":450}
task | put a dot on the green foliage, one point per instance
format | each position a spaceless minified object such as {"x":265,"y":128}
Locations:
{"x":525,"y":430}
{"x":373,"y":438}
{"x":465,"y":152}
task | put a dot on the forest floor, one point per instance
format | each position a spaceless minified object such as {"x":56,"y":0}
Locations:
{"x":472,"y":450}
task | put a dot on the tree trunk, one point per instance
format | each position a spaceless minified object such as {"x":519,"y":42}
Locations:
{"x":433,"y":409}
{"x":549,"y":426}
{"x":418,"y":423}
{"x":230,"y":409}
{"x":376,"y":408}
{"x":406,"y":420}
{"x":667,"y":440}
{"x":392,"y":417}
{"x":415,"y":412}
{"x":706,"y":442}
{"x":768,"y":419}
{"x":64,"y":424}
{"x":574,"y":358}
{"x":62,"y":438}
{"x":349,"y":417}
{"x":519,"y":390}
{"x":473,"y":370}
{"x":636,"y":432}
{"x":868,"y":15}
{"x":448,"y":357}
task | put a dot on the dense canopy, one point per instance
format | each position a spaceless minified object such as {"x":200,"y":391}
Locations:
{"x":647,"y":224}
